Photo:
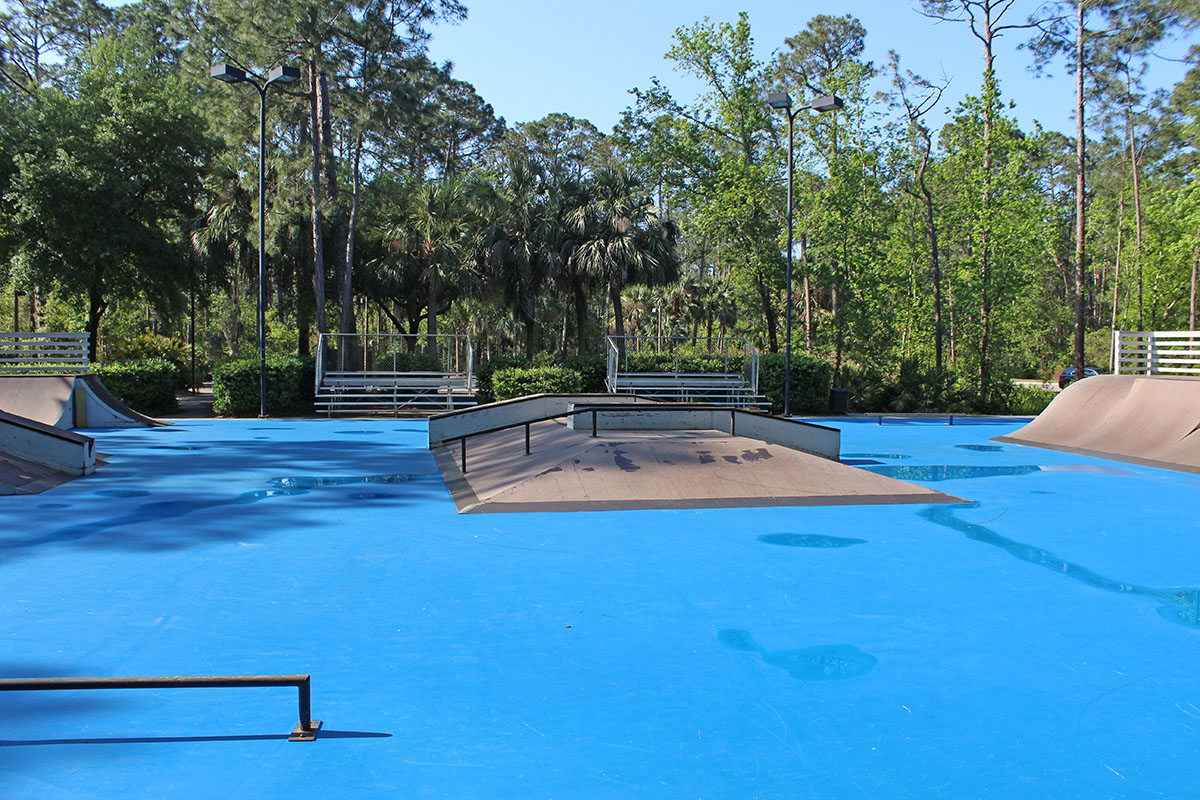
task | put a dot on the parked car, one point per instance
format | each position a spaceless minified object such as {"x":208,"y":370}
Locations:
{"x":1068,"y":375}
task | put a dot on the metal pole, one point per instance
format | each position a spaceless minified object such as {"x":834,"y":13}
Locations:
{"x":787,"y":350}
{"x":262,"y":256}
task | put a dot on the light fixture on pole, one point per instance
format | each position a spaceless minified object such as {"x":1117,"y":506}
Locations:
{"x":227,"y":73}
{"x":783,"y":101}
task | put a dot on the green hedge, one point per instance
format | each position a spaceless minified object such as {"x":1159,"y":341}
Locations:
{"x":484,"y":371}
{"x":665,"y":362}
{"x":1027,"y":401}
{"x":592,"y":371}
{"x":147,"y":385}
{"x":518,"y":382}
{"x":289,"y":386}
{"x":812,"y":378}
{"x":408,"y":362}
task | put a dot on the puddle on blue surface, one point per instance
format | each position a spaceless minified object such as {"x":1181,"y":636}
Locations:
{"x":313,"y":481}
{"x":271,"y":428}
{"x":370,"y":496}
{"x":55,"y":505}
{"x":358,"y":433}
{"x":1179,"y":605}
{"x":982,"y":448}
{"x":948,"y":472}
{"x":121,"y":493}
{"x":178,"y":447}
{"x":860,"y":462}
{"x":823,"y":663}
{"x":808,"y":540}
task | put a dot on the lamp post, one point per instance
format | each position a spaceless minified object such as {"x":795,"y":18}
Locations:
{"x":783,"y":100}
{"x":228,"y":73}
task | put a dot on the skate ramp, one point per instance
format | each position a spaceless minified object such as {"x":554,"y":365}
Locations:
{"x":570,"y":470}
{"x":68,"y":401}
{"x":1142,"y":419}
{"x":35,"y":456}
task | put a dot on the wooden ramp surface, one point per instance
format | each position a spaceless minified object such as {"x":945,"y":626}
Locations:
{"x":1142,"y":419}
{"x":626,"y":470}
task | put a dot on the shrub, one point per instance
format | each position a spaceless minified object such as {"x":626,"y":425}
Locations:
{"x":592,"y":371}
{"x":812,"y":379}
{"x":147,"y":385}
{"x":1027,"y":401}
{"x":289,"y":386}
{"x":401,"y":361}
{"x":484,"y":371}
{"x":518,"y":382}
{"x":149,"y":347}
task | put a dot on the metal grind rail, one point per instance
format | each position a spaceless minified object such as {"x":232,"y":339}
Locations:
{"x":595,"y":410}
{"x":305,"y":731}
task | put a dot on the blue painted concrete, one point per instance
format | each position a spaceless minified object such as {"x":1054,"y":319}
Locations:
{"x":1040,"y":641}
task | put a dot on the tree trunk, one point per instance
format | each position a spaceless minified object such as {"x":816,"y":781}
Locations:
{"x":614,"y":293}
{"x":580,"y":318}
{"x":318,"y":233}
{"x":764,"y":295}
{"x":1080,"y":153}
{"x":97,"y":305}
{"x":1195,"y":264}
{"x":347,"y":289}
{"x":1117,"y":267}
{"x":431,"y":318}
{"x":338,"y":232}
{"x":805,"y":290}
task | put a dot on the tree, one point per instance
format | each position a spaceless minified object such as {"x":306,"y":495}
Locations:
{"x":100,"y":193}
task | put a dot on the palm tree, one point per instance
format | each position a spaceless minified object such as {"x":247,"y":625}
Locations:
{"x":517,"y":251}
{"x":622,"y":240}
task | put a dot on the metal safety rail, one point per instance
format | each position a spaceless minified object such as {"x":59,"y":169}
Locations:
{"x":394,"y":372}
{"x":1156,"y":352}
{"x":735,"y":385}
{"x":29,"y":352}
{"x":305,"y":731}
{"x":596,"y":410}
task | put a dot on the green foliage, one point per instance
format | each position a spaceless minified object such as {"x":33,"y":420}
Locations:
{"x":812,"y":379}
{"x":912,"y":388}
{"x":100,"y":190}
{"x":517,"y":382}
{"x":149,"y":346}
{"x":290,"y":384}
{"x":146,"y":385}
{"x":592,"y":371}
{"x":485,"y":370}
{"x":401,"y":361}
{"x":1026,"y":401}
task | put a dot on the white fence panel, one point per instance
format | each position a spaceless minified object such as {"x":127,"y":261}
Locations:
{"x":31,"y":352}
{"x":1156,"y":352}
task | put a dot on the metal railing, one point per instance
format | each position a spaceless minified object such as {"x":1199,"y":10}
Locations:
{"x":26,"y":352}
{"x":736,"y":354}
{"x":305,"y":731}
{"x":395,"y":353}
{"x":600,"y":408}
{"x":1156,"y":352}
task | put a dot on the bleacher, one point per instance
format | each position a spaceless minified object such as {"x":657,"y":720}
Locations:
{"x":357,"y":374}
{"x":735,"y":389}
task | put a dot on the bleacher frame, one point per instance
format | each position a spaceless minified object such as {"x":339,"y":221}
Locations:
{"x":358,"y":373}
{"x":734,"y":388}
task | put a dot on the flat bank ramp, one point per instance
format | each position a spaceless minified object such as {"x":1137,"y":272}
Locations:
{"x":68,"y":401}
{"x":1142,"y":419}
{"x":569,"y":470}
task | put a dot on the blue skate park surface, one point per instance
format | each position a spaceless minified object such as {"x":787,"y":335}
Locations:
{"x":1040,"y":641}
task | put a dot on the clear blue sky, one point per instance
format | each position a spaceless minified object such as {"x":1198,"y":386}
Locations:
{"x":530,"y":58}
